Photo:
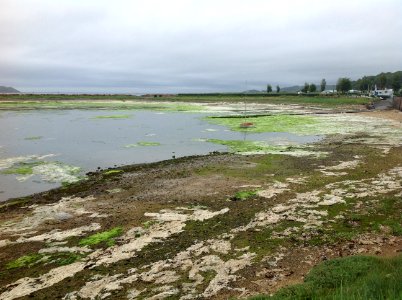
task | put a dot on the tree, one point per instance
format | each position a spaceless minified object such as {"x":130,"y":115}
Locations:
{"x":323,"y":84}
{"x":396,"y":82}
{"x":269,"y":88}
{"x":312,"y":88}
{"x":278,"y":89}
{"x":382,"y":81}
{"x":306,"y":88}
{"x":343,"y":85}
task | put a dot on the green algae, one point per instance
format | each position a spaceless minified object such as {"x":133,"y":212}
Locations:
{"x":244,"y":195}
{"x":23,"y":168}
{"x":48,"y":171}
{"x":274,"y":123}
{"x":110,"y":172}
{"x":258,"y":147}
{"x":105,"y":236}
{"x":33,"y":138}
{"x":25,"y":261}
{"x":113,"y":117}
{"x":148,"y":224}
{"x":142,"y":144}
{"x":105,"y":104}
{"x":314,"y":125}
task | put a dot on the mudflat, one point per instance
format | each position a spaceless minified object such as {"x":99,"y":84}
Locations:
{"x":216,"y":226}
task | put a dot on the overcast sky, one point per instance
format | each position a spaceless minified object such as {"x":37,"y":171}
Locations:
{"x":193,"y":45}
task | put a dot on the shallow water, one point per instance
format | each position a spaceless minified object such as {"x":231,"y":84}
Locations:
{"x":82,"y":138}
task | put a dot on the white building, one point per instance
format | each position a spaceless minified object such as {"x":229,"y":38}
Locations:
{"x":386,"y":93}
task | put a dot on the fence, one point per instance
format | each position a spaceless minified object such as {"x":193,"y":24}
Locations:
{"x":398,"y":103}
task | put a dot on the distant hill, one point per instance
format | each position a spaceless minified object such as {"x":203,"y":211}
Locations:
{"x":8,"y":90}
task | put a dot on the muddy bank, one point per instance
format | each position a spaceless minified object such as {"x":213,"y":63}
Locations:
{"x":207,"y":227}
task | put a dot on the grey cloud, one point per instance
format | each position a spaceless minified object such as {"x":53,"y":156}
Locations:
{"x":134,"y":46}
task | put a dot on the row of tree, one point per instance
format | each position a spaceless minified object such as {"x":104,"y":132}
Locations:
{"x":269,"y":89}
{"x":382,"y":80}
{"x":366,"y":83}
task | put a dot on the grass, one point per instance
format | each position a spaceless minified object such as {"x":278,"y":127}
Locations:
{"x":355,"y":277}
{"x":24,"y":261}
{"x":100,"y":237}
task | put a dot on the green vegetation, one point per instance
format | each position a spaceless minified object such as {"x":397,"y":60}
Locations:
{"x":255,"y":147}
{"x":142,"y":144}
{"x":113,"y":117}
{"x":33,"y":138}
{"x":24,"y":261}
{"x":244,"y":195}
{"x":269,"y":88}
{"x":23,"y":168}
{"x":274,"y":123}
{"x":112,"y":103}
{"x":100,"y":237}
{"x":356,"y":277}
{"x":343,"y":85}
{"x":174,"y":103}
{"x":110,"y":172}
{"x":148,"y":224}
{"x":68,"y":258}
{"x":323,"y":85}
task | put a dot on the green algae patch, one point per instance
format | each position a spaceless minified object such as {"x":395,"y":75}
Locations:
{"x":113,"y":117}
{"x":244,"y":195}
{"x":274,"y":123}
{"x":47,"y":171}
{"x":23,"y":168}
{"x":104,"y":104}
{"x":67,"y":258}
{"x":100,"y":237}
{"x":24,"y":261}
{"x":33,"y":138}
{"x":110,"y":172}
{"x":143,"y":144}
{"x":257,"y":147}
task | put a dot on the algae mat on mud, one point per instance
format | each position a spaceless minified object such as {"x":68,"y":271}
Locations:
{"x":308,"y":124}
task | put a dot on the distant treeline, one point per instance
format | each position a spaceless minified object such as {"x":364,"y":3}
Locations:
{"x":382,"y":80}
{"x":241,"y":94}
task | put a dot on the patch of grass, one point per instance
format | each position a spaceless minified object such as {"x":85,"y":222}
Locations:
{"x":24,"y":261}
{"x":244,"y":195}
{"x":105,"y":236}
{"x":32,"y":138}
{"x":355,"y":277}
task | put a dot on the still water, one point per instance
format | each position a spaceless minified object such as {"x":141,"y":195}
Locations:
{"x":90,"y":139}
